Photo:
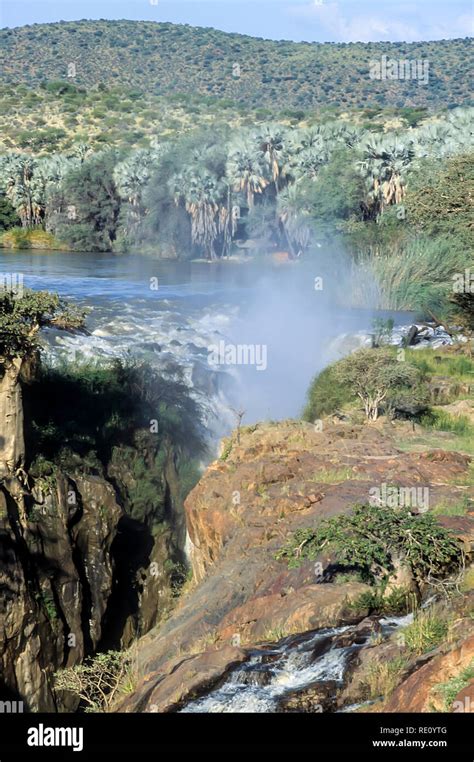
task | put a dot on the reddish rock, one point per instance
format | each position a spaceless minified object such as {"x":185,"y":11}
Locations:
{"x":276,"y":479}
{"x":418,"y":692}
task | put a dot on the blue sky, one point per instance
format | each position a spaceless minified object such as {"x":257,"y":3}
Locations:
{"x":312,"y":20}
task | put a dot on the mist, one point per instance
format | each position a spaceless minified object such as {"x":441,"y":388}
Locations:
{"x":301,"y":314}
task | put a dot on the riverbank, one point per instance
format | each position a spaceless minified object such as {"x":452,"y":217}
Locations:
{"x":21,"y":238}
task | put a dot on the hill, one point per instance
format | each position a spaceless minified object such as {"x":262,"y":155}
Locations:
{"x":165,"y":59}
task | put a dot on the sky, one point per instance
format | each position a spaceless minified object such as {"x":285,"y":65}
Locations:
{"x":311,"y":20}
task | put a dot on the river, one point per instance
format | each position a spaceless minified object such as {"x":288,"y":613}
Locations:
{"x":165,"y":311}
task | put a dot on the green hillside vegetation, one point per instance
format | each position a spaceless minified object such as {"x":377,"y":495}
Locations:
{"x":165,"y":59}
{"x":185,"y":167}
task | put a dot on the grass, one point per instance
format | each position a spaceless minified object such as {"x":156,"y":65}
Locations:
{"x":467,"y":584}
{"x":420,"y":276}
{"x":449,"y":690}
{"x":398,"y":601}
{"x":427,"y":631}
{"x":440,"y":420}
{"x":383,"y":677}
{"x":430,"y":440}
{"x":458,"y":508}
{"x":438,"y":363}
{"x":335,"y":475}
{"x":275,"y":634}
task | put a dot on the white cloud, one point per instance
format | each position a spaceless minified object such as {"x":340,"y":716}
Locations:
{"x":391,"y":22}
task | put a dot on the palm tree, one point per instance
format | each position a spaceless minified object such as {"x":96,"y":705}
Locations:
{"x":131,"y":177}
{"x":384,"y":166}
{"x":310,"y":150}
{"x":246,"y":170}
{"x":271,"y":143}
{"x":293,"y":218}
{"x":23,"y":188}
{"x":202,"y":194}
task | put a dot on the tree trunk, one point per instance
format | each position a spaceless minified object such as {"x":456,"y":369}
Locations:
{"x":12,"y":440}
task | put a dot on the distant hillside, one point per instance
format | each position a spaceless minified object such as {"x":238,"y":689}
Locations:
{"x":164,"y":59}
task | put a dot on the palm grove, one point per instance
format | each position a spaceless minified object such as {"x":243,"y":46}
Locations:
{"x":398,"y":201}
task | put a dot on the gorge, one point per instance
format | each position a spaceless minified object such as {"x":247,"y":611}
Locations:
{"x":95,"y":539}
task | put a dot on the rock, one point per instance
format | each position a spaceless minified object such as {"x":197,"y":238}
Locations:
{"x":411,"y":336}
{"x":308,"y":608}
{"x":191,"y":347}
{"x":245,"y":508}
{"x":358,"y":635}
{"x":186,"y":680}
{"x":151,"y":346}
{"x":464,"y":701}
{"x":66,"y":594}
{"x":316,"y":698}
{"x":418,"y":692}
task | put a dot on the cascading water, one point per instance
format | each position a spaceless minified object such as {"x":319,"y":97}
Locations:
{"x":293,"y":664}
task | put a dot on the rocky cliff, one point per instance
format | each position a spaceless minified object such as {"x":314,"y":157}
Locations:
{"x":87,"y":556}
{"x":271,"y":480}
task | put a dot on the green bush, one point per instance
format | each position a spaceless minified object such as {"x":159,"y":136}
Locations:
{"x":374,"y":539}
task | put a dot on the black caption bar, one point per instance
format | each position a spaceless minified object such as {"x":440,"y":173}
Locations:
{"x":90,"y":736}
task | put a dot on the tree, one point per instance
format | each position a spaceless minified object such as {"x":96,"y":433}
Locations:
{"x":96,"y":682}
{"x":383,"y":166}
{"x":271,"y":143}
{"x":374,"y":375}
{"x":378,"y":541}
{"x":246,"y":170}
{"x":90,"y":191}
{"x":8,"y":216}
{"x":22,"y":315}
{"x":23,"y":186}
{"x":131,"y":177}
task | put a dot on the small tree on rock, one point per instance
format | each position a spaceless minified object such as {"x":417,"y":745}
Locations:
{"x":375,"y":375}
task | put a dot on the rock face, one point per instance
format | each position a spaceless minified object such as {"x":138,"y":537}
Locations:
{"x":270,"y":481}
{"x":186,"y":679}
{"x":418,"y":692}
{"x":79,"y":571}
{"x":52,"y":610}
{"x":74,"y":575}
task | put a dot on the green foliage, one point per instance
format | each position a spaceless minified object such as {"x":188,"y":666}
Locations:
{"x":110,"y":404}
{"x":374,"y":376}
{"x":91,"y":191}
{"x":96,"y":682}
{"x":426,"y":632}
{"x":464,"y":310}
{"x":325,"y":395}
{"x":420,"y":277}
{"x":371,"y":538}
{"x":440,"y":420}
{"x":432,"y":363}
{"x":440,"y":199}
{"x":382,"y":331}
{"x":23,"y":314}
{"x":278,"y":75}
{"x":8,"y":216}
{"x":398,"y":601}
{"x":384,"y":676}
